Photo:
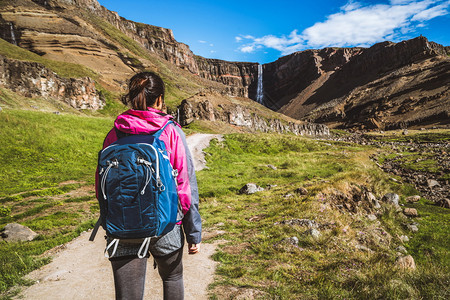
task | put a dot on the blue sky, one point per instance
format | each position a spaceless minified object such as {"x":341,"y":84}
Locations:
{"x":262,"y":31}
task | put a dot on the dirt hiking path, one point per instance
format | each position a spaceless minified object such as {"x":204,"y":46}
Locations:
{"x":80,"y":271}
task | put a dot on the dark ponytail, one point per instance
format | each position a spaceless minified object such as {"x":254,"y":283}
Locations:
{"x":143,"y":90}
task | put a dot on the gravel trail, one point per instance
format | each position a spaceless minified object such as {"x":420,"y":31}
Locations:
{"x":80,"y":271}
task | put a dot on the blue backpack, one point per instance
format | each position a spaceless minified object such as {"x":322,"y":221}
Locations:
{"x":137,"y":190}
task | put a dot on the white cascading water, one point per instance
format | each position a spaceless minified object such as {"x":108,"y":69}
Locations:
{"x":13,"y":36}
{"x":259,"y":88}
{"x":178,"y":115}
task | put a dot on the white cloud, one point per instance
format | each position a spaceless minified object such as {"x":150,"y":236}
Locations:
{"x":248,"y":48}
{"x":433,"y":12}
{"x":354,"y":25}
{"x":203,"y":42}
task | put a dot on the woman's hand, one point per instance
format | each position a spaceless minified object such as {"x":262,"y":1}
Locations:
{"x":193,"y":248}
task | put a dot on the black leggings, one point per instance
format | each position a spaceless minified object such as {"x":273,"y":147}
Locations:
{"x":129,"y":276}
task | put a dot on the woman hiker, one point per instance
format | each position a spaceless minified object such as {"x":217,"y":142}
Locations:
{"x":146,"y":98}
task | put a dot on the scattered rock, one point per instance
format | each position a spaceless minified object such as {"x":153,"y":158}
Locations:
{"x":14,"y":232}
{"x":432,"y":183}
{"x":56,"y":113}
{"x":404,"y":238}
{"x":412,"y":227}
{"x":301,"y":191}
{"x":300,"y":222}
{"x":1,"y":109}
{"x":34,"y":106}
{"x":314,"y":233}
{"x":391,"y":198}
{"x":402,"y":250}
{"x":292,"y":240}
{"x":406,"y":262}
{"x":412,"y":199}
{"x":410,"y":212}
{"x":444,"y":203}
{"x":287,"y":196}
{"x":250,"y":188}
{"x":272,"y":167}
{"x":363,"y":248}
{"x":371,"y":217}
{"x":271,"y":186}
{"x":376,"y":204}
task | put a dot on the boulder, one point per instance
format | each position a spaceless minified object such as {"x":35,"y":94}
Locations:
{"x":250,"y":188}
{"x":432,"y":183}
{"x":412,"y":199}
{"x":363,"y":248}
{"x":412,"y":227}
{"x":314,"y":233}
{"x":404,"y":238}
{"x":371,"y":217}
{"x":406,"y":263}
{"x":410,"y":212}
{"x":14,"y":232}
{"x":292,"y":240}
{"x":272,"y":167}
{"x":391,"y":198}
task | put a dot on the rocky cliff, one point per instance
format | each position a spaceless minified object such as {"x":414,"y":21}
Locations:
{"x":34,"y":80}
{"x":379,"y":87}
{"x":243,"y":114}
{"x":240,"y":78}
{"x":52,"y":27}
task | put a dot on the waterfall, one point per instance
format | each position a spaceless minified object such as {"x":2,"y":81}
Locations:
{"x":178,"y":115}
{"x":13,"y":36}
{"x":259,"y":89}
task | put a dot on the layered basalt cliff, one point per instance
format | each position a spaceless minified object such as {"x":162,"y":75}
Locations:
{"x":300,"y":72}
{"x":352,"y":87}
{"x":66,"y":30}
{"x":239,"y":77}
{"x":34,"y":80}
{"x":205,"y":107}
{"x":376,"y":87}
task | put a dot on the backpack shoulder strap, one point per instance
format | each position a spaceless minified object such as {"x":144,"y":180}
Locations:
{"x":158,"y":133}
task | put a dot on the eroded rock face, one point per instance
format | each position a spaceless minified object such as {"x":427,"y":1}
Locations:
{"x":34,"y":80}
{"x":384,"y":86}
{"x":238,"y":115}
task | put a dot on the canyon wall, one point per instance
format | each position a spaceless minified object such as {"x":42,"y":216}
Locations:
{"x":34,"y":80}
{"x":242,"y":116}
{"x":379,"y":86}
{"x":237,"y":78}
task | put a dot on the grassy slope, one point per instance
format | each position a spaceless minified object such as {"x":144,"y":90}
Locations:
{"x":43,"y":149}
{"x":63,"y":69}
{"x":330,"y":267}
{"x":40,"y":151}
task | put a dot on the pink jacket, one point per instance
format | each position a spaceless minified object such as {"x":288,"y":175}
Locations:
{"x":148,"y":122}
